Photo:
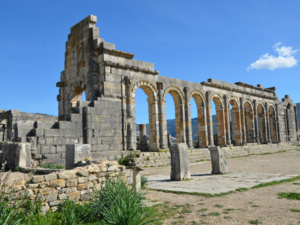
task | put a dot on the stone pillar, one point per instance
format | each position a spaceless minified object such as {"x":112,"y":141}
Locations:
{"x":256,"y":134}
{"x":131,"y":125}
{"x":76,"y":153}
{"x":179,"y":162}
{"x":202,"y":127}
{"x":296,"y":122}
{"x":143,"y":137}
{"x":153,"y":126}
{"x":243,"y":121}
{"x":227,"y":120}
{"x":210,"y":135}
{"x":218,"y":160}
{"x":267,"y":125}
{"x":277,"y":124}
{"x":136,"y":172}
{"x":188,"y":120}
{"x":162,"y":119}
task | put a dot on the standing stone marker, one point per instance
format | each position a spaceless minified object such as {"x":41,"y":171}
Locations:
{"x":218,"y":160}
{"x":75,"y":153}
{"x":137,"y":178}
{"x":179,"y":162}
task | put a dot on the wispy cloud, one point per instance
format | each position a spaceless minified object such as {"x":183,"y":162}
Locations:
{"x":284,"y":59}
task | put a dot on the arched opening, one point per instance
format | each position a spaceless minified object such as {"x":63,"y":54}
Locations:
{"x":249,"y":123}
{"x":150,"y":92}
{"x":261,"y":123}
{"x":218,"y":122}
{"x":272,"y":122}
{"x":179,"y":112}
{"x":142,"y":120}
{"x":171,"y":120}
{"x":235,"y":123}
{"x":76,"y":96}
{"x":199,"y":125}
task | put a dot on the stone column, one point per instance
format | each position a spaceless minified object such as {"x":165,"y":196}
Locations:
{"x":188,"y":120}
{"x":277,"y":125}
{"x":210,"y":134}
{"x":218,"y":160}
{"x":243,"y":121}
{"x":153,"y":126}
{"x":179,"y":162}
{"x":202,"y":127}
{"x":267,"y":125}
{"x":296,"y":121}
{"x":131,"y":139}
{"x":143,"y":137}
{"x":227,"y":120}
{"x":163,"y":132}
{"x":256,"y":134}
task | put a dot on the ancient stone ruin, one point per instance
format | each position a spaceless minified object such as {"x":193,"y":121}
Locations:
{"x":107,"y":119}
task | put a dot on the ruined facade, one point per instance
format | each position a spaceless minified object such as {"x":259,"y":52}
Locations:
{"x":106,"y":120}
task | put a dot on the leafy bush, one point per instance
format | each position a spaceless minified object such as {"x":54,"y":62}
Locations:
{"x":116,"y":203}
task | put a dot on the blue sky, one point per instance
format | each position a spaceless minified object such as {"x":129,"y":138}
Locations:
{"x":255,"y":42}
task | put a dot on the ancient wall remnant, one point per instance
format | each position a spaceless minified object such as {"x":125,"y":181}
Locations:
{"x":107,"y":119}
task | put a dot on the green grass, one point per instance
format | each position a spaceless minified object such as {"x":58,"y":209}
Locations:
{"x":211,"y":214}
{"x":276,"y":182}
{"x":254,"y":222}
{"x":52,"y":166}
{"x":294,"y":210}
{"x":255,"y":206}
{"x":289,"y":195}
{"x":218,"y":206}
{"x":296,"y":183}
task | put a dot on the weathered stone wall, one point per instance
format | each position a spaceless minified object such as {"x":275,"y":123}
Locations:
{"x":75,"y":185}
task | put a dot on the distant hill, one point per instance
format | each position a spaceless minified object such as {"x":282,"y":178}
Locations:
{"x":172,"y":128}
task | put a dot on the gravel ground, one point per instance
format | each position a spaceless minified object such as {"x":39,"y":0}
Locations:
{"x":254,"y":206}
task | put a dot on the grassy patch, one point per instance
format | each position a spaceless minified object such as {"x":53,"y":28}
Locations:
{"x":218,"y":206}
{"x":254,"y":222}
{"x":52,"y":166}
{"x":202,"y":210}
{"x":186,"y":211}
{"x":289,"y":195}
{"x":276,"y":182}
{"x":212,"y":214}
{"x":294,"y":210}
{"x":255,"y":206}
{"x":296,"y":183}
{"x":227,"y":217}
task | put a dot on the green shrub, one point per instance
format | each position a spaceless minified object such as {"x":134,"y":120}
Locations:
{"x":116,"y":203}
{"x":127,"y":160}
{"x":144,"y":181}
{"x":52,"y":166}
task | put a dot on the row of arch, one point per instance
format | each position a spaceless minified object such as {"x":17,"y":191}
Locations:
{"x":249,"y":121}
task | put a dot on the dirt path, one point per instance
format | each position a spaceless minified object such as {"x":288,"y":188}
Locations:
{"x":254,"y":206}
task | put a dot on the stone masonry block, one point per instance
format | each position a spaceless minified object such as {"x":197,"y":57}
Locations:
{"x":77,"y":152}
{"x":218,"y":160}
{"x":179,"y":162}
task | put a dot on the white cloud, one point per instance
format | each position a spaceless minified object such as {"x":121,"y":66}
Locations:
{"x":285,"y":59}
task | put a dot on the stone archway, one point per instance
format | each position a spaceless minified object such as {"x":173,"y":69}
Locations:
{"x":220,"y":116}
{"x":249,"y":122}
{"x":178,"y":98}
{"x":272,"y":123}
{"x":236,"y":119}
{"x":261,"y":114}
{"x":201,"y":114}
{"x":151,"y":93}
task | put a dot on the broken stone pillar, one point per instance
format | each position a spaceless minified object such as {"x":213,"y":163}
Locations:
{"x":143,"y":137}
{"x":179,"y":162}
{"x":218,"y":160}
{"x":169,"y":140}
{"x":76,"y":153}
{"x":137,"y":178}
{"x":16,"y":154}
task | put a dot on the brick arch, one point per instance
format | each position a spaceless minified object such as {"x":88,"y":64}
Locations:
{"x":178,"y":98}
{"x":201,"y":114}
{"x":235,"y":126}
{"x":249,"y":121}
{"x":272,"y":122}
{"x":149,"y":89}
{"x":151,"y":93}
